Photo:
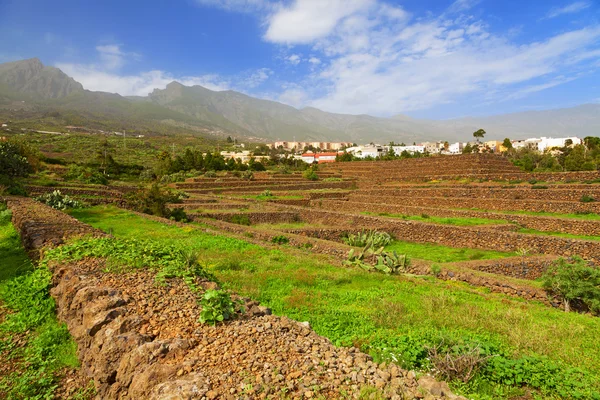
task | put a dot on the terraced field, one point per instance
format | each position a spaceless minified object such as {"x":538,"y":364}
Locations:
{"x":479,"y":235}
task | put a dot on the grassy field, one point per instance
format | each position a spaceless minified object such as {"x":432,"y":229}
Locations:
{"x":457,"y":221}
{"x":396,"y":317}
{"x":559,"y":234}
{"x":441,"y":254}
{"x":587,"y":217}
{"x":34,"y":368}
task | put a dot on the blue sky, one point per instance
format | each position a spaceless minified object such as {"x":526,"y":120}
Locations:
{"x":427,"y":59}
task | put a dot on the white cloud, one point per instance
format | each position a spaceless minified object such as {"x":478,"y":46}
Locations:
{"x":238,"y":5}
{"x":294,"y":59}
{"x":294,"y":96}
{"x":314,"y":61}
{"x":462,"y":5}
{"x":569,"y":9}
{"x":307,"y":20}
{"x":256,"y":78}
{"x":140,"y":84}
{"x":112,"y":57}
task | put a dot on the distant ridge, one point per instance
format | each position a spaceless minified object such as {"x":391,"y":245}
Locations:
{"x":230,"y":113}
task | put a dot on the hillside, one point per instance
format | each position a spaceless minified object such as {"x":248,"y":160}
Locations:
{"x":29,"y":88}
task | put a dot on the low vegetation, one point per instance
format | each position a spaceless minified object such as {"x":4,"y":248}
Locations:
{"x":59,"y":201}
{"x":574,"y":283}
{"x":369,"y":239}
{"x":489,"y":346}
{"x":35,"y":346}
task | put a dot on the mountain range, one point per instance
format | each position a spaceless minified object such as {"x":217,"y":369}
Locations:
{"x":30,"y":89}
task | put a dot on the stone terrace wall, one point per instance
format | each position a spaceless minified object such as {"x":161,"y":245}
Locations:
{"x":457,"y":236}
{"x":40,"y":225}
{"x":563,"y":207}
{"x":498,"y":192}
{"x":253,"y":217}
{"x":540,"y":223}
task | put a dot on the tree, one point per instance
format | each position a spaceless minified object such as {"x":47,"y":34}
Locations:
{"x":507,"y":144}
{"x":229,"y":139}
{"x":574,"y":281}
{"x":479,"y":134}
{"x":467,"y":149}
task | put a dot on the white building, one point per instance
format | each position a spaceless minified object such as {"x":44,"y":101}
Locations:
{"x":548,"y":143}
{"x":456,"y":148}
{"x":411,"y":149}
{"x":366,"y":151}
{"x":309,"y":157}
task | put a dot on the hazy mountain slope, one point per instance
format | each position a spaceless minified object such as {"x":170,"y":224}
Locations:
{"x":263,"y":118}
{"x":31,"y":78}
{"x":31,"y":87}
{"x":581,"y":121}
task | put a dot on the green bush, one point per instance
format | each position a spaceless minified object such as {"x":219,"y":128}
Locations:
{"x":210,"y":174}
{"x":587,"y":199}
{"x":59,"y":201}
{"x":310,"y":174}
{"x":154,"y":201}
{"x":240,"y":219}
{"x":280,"y":239}
{"x":86,"y":175}
{"x":248,"y":175}
{"x":217,"y":306}
{"x":574,"y":282}
{"x":371,"y":259}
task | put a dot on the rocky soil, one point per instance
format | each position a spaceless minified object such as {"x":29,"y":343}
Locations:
{"x":140,"y":339}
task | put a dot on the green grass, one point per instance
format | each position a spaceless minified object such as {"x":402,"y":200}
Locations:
{"x":49,"y":348}
{"x":559,"y":234}
{"x":439,"y":253}
{"x":394,"y":317}
{"x":457,"y":221}
{"x":588,"y":217}
{"x":14,"y":259}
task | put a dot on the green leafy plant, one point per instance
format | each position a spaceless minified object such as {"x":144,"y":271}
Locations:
{"x":371,"y":259}
{"x":280,"y":239}
{"x":436,"y":269}
{"x":574,"y":282}
{"x":587,"y":199}
{"x":368,"y":239}
{"x":248,"y":175}
{"x":217,"y":306}
{"x":267,"y":193}
{"x":310,"y":174}
{"x":59,"y":201}
{"x":240,"y":219}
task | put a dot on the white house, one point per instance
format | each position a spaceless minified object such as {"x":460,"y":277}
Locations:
{"x":456,"y":148}
{"x":548,"y":143}
{"x":411,"y":149}
{"x":366,"y":151}
{"x":309,"y":157}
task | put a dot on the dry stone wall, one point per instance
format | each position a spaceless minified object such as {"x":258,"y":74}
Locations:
{"x":541,"y":223}
{"x":562,"y":207}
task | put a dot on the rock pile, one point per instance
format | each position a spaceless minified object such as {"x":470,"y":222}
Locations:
{"x":138,"y":339}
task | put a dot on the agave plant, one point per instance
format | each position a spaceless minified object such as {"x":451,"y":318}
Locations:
{"x":374,"y":239}
{"x":371,"y":259}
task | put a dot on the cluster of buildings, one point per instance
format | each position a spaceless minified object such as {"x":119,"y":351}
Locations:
{"x":299,"y":146}
{"x":321,"y":155}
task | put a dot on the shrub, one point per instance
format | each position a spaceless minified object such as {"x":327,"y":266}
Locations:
{"x":267,"y":193}
{"x":587,"y":199}
{"x":280,"y":240}
{"x":248,"y":175}
{"x":154,"y":200}
{"x":217,"y":306}
{"x":368,"y":239}
{"x":574,"y":282}
{"x":436,"y":269}
{"x":240,"y":219}
{"x":454,"y":361}
{"x":178,"y":214}
{"x":332,"y":180}
{"x":310,"y":174}
{"x":58,"y":201}
{"x":86,"y":175}
{"x":539,"y":187}
{"x":425,"y":216}
{"x":210,"y":174}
